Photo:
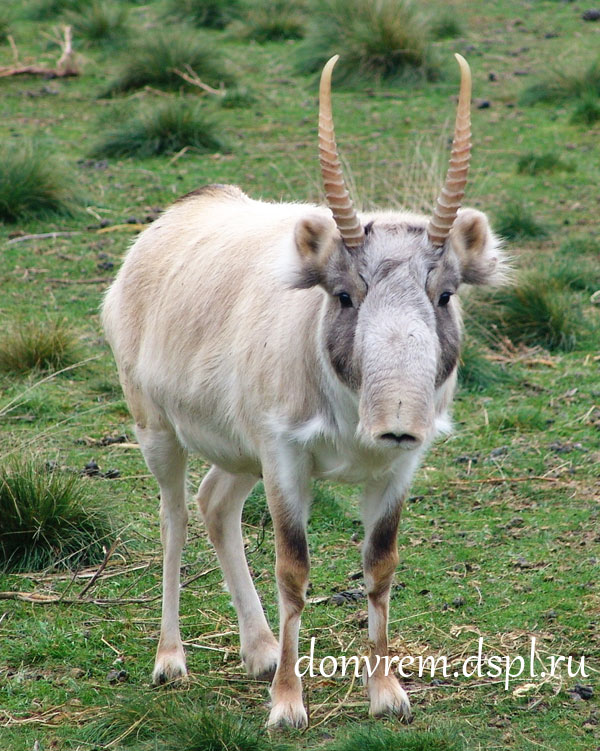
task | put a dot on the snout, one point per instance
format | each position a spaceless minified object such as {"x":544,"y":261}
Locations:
{"x":407,"y":441}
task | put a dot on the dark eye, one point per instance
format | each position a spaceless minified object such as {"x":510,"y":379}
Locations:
{"x":345,"y":300}
{"x":444,"y":299}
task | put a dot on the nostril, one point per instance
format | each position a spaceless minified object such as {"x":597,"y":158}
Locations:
{"x":405,"y":438}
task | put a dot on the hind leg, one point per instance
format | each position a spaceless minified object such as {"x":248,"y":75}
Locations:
{"x":221,"y":499}
{"x":167,"y":461}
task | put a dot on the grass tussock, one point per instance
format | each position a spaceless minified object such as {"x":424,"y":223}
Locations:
{"x":237,"y":97}
{"x":534,"y":164}
{"x":475,"y":371}
{"x":537,"y":311}
{"x":47,"y":10}
{"x":175,"y":723}
{"x":152,"y":61}
{"x":447,"y":24}
{"x":162,"y":129}
{"x":32,"y":184}
{"x":564,"y":85}
{"x":515,"y":222}
{"x":587,"y":110}
{"x":48,"y":519}
{"x":37,"y":345}
{"x":379,"y":40}
{"x":101,"y":22}
{"x":212,"y":14}
{"x":270,"y":21}
{"x":381,"y":738}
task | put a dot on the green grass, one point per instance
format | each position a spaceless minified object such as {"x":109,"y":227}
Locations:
{"x":47,"y":519}
{"x":562,"y":85}
{"x":153,"y":59}
{"x":475,"y":371}
{"x":534,"y":164}
{"x":164,"y":128}
{"x":32,"y":184}
{"x":101,"y":22}
{"x":385,"y":739}
{"x":498,"y":531}
{"x":515,"y":221}
{"x":375,"y":41}
{"x":271,"y":20}
{"x":175,"y":723}
{"x":587,"y":110}
{"x":212,"y":14}
{"x":49,"y":10}
{"x":538,"y":312}
{"x":37,"y":345}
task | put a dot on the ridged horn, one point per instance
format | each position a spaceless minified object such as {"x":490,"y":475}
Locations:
{"x":449,"y":200}
{"x":337,"y":196}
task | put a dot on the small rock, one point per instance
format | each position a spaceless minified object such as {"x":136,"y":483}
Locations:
{"x":348,"y":595}
{"x":483,"y":104}
{"x":458,"y":602}
{"x":131,"y":220}
{"x":500,"y":451}
{"x":522,"y":562}
{"x":591,"y":15}
{"x":91,"y":469}
{"x":551,"y":615}
{"x":117,"y":676}
{"x":492,"y":77}
{"x":76,"y":673}
{"x":585,"y":692}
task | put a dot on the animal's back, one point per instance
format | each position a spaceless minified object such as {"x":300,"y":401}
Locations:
{"x":198,"y":313}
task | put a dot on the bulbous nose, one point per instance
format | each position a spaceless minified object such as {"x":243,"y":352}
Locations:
{"x":403,"y":440}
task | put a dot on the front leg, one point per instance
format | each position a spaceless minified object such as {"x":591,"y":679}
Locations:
{"x":381,"y":513}
{"x":288,"y":497}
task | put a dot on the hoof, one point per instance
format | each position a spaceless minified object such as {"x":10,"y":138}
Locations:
{"x":387,"y":697}
{"x":261,"y":661}
{"x":169,"y":667}
{"x":288,"y":714}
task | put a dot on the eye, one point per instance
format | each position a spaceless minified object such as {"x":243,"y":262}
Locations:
{"x":345,"y":300}
{"x":444,"y":299}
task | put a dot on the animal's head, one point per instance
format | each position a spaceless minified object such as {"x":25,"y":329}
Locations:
{"x":391,"y":327}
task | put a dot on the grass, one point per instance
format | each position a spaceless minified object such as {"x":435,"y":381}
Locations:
{"x":377,"y":738}
{"x":271,"y":20}
{"x":498,"y":531}
{"x":538,"y":312}
{"x":32,"y":184}
{"x":587,"y":110}
{"x":446,"y":24}
{"x":38,"y":346}
{"x":46,"y":10}
{"x":534,"y":164}
{"x":101,"y":22}
{"x":212,"y":14}
{"x":565,"y":85}
{"x":516,"y":222}
{"x":152,"y":61}
{"x":177,"y":724}
{"x":475,"y":371}
{"x":165,"y":128}
{"x":47,"y":519}
{"x":376,"y":41}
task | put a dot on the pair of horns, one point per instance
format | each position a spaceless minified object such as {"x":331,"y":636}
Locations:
{"x":449,"y":200}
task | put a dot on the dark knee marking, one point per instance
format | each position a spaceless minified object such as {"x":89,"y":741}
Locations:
{"x":381,"y":554}
{"x":293,"y":564}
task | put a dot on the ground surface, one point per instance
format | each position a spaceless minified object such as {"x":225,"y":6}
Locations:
{"x":500,"y":536}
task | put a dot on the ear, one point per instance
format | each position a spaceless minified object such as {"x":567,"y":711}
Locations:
{"x":314,"y":237}
{"x":478,"y":250}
